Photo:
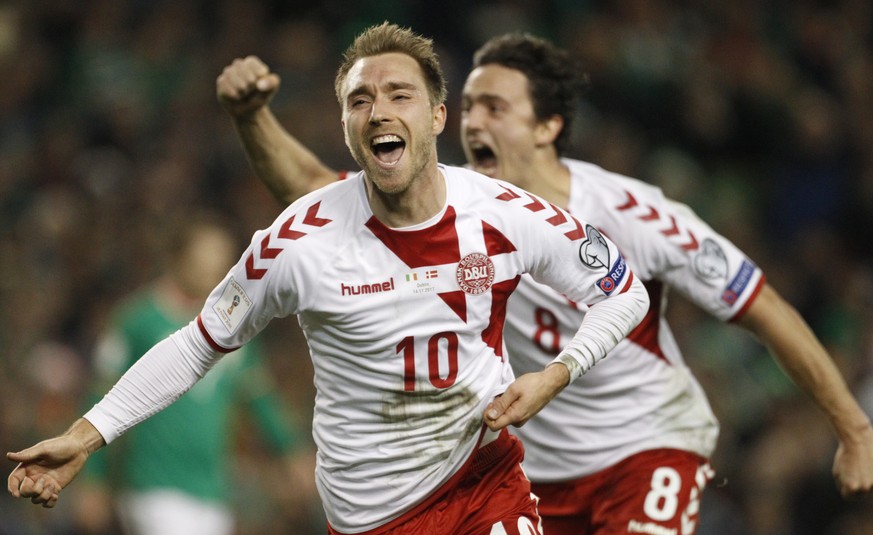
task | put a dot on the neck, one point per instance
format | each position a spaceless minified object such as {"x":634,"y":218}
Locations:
{"x":423,"y":199}
{"x":547,"y":177}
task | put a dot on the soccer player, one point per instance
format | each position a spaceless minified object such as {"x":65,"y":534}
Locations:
{"x":625,"y":448}
{"x":399,"y":276}
{"x":172,"y":473}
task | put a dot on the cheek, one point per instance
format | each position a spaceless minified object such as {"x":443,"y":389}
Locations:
{"x":346,"y":135}
{"x":510,"y":140}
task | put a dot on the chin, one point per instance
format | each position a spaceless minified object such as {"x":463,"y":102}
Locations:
{"x":390,"y":184}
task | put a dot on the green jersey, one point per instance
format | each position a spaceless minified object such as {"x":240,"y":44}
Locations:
{"x":187,"y":445}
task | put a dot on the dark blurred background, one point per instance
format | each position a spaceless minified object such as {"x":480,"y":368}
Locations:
{"x":759,"y":115}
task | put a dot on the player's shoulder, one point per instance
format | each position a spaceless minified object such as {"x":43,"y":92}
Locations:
{"x":466,"y":178}
{"x":618,"y":202}
{"x":610,"y":187}
{"x":482,"y":191}
{"x":341,"y":191}
{"x":326,"y":209}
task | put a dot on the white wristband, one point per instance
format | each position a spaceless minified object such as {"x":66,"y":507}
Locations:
{"x":571,"y":363}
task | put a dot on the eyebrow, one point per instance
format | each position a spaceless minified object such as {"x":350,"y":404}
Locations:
{"x":391,"y":86}
{"x":484,"y":97}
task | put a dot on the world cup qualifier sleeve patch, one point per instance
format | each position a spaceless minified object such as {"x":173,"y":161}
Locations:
{"x":594,"y":252}
{"x":711,"y":262}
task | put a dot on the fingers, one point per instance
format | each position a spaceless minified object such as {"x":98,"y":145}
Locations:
{"x":32,"y":454}
{"x":43,"y":490}
{"x":492,"y":418}
{"x":18,"y":476}
{"x":19,"y":456}
{"x":853,"y":490}
{"x":244,"y":78}
{"x":44,"y":494}
{"x":13,"y":483}
{"x":268,"y":83}
{"x":503,"y":411}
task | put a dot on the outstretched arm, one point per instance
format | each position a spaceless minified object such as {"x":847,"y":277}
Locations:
{"x":283,"y":164}
{"x":157,"y":379}
{"x":49,"y":466}
{"x":794,"y":346}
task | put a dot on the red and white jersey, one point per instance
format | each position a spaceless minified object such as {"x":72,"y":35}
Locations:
{"x":642,"y":396}
{"x":404,"y":326}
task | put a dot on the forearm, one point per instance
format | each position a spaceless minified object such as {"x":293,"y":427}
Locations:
{"x":804,"y":359}
{"x":157,"y":379}
{"x":603,"y":327}
{"x":281,"y":162}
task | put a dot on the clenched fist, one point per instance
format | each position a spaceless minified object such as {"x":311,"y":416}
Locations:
{"x":245,"y":86}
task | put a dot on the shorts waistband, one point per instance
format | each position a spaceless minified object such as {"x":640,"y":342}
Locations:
{"x":496,"y":450}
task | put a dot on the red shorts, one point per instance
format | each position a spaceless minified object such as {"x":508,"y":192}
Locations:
{"x":491,"y":497}
{"x":655,"y":491}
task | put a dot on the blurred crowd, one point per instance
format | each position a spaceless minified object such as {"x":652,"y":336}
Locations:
{"x":759,"y":115}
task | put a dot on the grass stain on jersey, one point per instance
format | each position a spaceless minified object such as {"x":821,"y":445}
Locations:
{"x":431,"y":424}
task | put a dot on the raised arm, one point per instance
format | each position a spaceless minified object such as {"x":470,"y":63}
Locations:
{"x":288,"y":169}
{"x":794,"y":346}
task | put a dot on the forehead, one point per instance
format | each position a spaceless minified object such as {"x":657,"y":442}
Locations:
{"x":385,"y":69}
{"x":497,"y":81}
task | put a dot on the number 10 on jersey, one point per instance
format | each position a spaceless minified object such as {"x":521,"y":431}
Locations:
{"x":442,"y":351}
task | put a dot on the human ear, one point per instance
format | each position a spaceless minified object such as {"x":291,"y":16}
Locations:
{"x":546,"y":132}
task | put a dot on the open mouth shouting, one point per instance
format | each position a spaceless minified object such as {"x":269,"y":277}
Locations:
{"x":483,"y":158}
{"x":387,"y":149}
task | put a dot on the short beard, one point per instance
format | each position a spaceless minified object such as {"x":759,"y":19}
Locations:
{"x":393,"y":187}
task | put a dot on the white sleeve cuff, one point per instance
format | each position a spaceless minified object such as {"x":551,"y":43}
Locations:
{"x":101,"y":422}
{"x":571,"y":363}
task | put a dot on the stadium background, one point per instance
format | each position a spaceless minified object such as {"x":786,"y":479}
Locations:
{"x":757,"y":114}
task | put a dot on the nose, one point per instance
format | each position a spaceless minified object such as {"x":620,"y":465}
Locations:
{"x":378,"y":112}
{"x":471,"y":118}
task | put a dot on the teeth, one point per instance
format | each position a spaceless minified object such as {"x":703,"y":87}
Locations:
{"x":476,"y":145}
{"x":387,"y":138}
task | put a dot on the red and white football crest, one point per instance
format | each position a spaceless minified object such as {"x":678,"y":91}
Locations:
{"x":475,"y":273}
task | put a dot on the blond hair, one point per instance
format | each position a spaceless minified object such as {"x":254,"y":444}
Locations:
{"x":385,"y":38}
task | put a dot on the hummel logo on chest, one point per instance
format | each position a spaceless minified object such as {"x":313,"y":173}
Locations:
{"x":364,"y":289}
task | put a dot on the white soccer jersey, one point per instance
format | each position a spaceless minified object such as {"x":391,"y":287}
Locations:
{"x":642,"y":396}
{"x":405,"y":326}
